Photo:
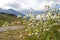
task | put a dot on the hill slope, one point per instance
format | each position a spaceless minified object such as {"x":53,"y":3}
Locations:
{"x":7,"y":18}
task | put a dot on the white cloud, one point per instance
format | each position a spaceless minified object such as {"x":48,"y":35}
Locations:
{"x":34,"y":4}
{"x":26,"y":4}
{"x":3,"y":2}
{"x":42,"y":4}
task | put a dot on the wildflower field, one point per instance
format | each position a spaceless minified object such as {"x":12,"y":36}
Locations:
{"x":45,"y":26}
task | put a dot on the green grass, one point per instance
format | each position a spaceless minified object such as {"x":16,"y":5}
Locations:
{"x":7,"y":18}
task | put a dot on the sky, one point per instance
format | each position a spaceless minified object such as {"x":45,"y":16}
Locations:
{"x":28,"y":4}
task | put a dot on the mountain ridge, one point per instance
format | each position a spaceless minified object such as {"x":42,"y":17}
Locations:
{"x":11,"y":11}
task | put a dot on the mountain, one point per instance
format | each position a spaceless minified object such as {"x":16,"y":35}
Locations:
{"x":22,"y":12}
{"x":27,"y":11}
{"x":11,"y":11}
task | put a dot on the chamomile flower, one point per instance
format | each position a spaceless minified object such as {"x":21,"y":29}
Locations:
{"x":29,"y":34}
{"x":20,"y":36}
{"x":36,"y":33}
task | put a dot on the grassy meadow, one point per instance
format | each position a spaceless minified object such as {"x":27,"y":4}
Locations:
{"x":46,"y":27}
